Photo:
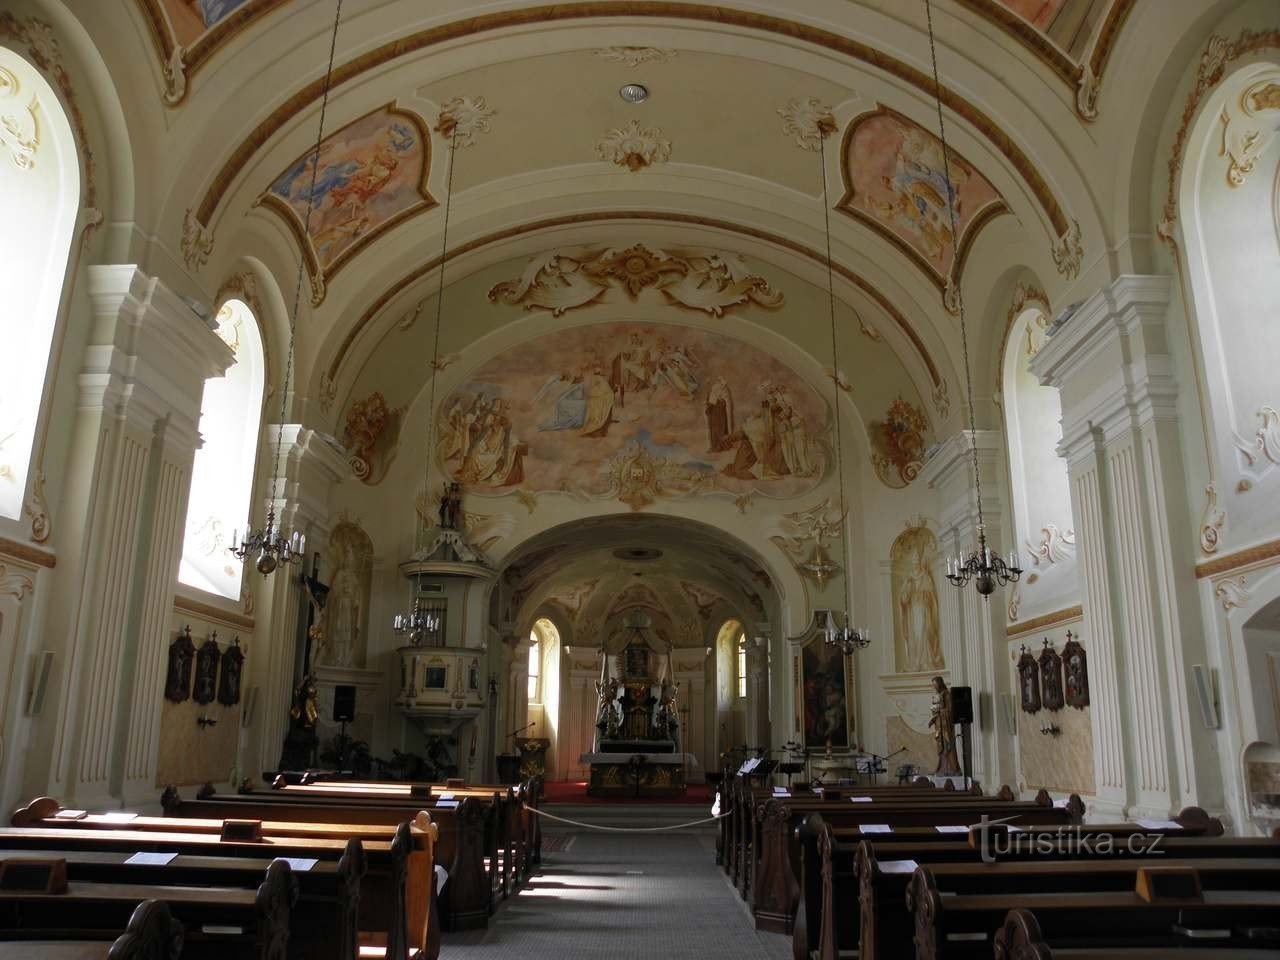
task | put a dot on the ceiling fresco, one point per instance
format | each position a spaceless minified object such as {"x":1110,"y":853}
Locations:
{"x":634,"y":412}
{"x":372,"y":175}
{"x":895,"y":183}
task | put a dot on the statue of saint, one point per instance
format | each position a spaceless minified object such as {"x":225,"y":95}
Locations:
{"x":942,"y":719}
{"x":606,"y":706}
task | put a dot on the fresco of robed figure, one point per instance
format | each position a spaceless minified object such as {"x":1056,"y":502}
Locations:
{"x":191,"y":18}
{"x":714,"y":412}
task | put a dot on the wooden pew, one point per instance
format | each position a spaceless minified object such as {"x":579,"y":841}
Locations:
{"x":775,"y":886}
{"x":964,"y":924}
{"x":151,"y":934}
{"x":467,"y":898}
{"x":1019,"y":938}
{"x":390,"y":868}
{"x":830,"y":871}
{"x":219,"y":923}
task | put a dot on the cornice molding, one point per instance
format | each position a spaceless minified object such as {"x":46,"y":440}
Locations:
{"x":28,"y":553}
{"x":1261,"y":555}
{"x":1017,"y":630}
{"x":209,"y":611}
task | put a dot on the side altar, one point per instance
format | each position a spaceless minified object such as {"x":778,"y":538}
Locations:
{"x":637,"y":741}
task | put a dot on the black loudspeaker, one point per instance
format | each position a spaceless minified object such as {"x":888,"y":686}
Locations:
{"x":961,"y":704}
{"x":344,"y":703}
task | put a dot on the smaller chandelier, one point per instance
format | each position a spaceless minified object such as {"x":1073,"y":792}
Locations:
{"x":847,"y":638}
{"x":419,"y":624}
{"x":272,"y":546}
{"x":986,"y":569}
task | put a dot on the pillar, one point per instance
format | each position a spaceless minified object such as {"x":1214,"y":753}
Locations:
{"x":134,"y":443}
{"x":1111,"y":364}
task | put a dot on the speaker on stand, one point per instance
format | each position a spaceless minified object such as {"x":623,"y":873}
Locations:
{"x":344,"y":711}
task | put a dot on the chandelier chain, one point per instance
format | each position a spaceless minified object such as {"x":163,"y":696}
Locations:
{"x":435,"y":346}
{"x":835,"y":372}
{"x":955,"y":238}
{"x":306,"y":232}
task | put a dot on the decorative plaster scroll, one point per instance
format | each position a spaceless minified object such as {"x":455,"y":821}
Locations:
{"x":1232,"y":592}
{"x":1087,"y":87}
{"x":839,"y":378}
{"x":18,"y":131}
{"x":462,"y":118}
{"x":942,"y":399}
{"x":1249,"y":125}
{"x":803,"y":540}
{"x":1015,"y":601}
{"x":709,"y":281}
{"x":14,"y":585}
{"x":175,"y":76}
{"x":634,"y":147}
{"x":1211,"y":521}
{"x":897,"y":444}
{"x":1218,"y":54}
{"x":1068,"y":252}
{"x":1260,"y":454}
{"x":1055,"y":545}
{"x":371,"y":436}
{"x":197,"y":242}
{"x":38,"y":509}
{"x":808,"y":122}
{"x":328,"y":392}
{"x":868,"y":331}
{"x":634,"y":56}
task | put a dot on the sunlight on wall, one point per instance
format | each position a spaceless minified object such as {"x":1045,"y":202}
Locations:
{"x":40,"y":197}
{"x":222,"y":477}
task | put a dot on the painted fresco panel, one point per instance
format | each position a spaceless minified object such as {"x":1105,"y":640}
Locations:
{"x":634,"y":411}
{"x":191,"y":18}
{"x":371,"y":176}
{"x":917,"y":627}
{"x":1068,"y":23}
{"x":896,"y":180}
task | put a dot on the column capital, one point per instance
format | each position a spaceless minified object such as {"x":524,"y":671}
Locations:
{"x":309,"y":464}
{"x":949,"y":472}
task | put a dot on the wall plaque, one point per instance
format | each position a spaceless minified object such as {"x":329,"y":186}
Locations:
{"x":1051,"y":678}
{"x":1075,"y":663}
{"x":1028,"y":681}
{"x":230,"y":667}
{"x":177,"y":681}
{"x":207,"y":670}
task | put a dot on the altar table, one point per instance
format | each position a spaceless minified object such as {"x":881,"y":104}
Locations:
{"x":621,"y":775}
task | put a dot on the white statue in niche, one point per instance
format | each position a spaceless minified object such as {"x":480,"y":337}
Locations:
{"x":916,"y":625}
{"x":346,"y":610}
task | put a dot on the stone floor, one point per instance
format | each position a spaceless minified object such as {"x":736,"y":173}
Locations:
{"x":610,"y":896}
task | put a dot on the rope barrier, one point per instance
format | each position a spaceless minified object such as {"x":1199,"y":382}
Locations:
{"x":604,"y":829}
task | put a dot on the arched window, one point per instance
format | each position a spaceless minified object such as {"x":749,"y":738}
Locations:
{"x":222,"y":476}
{"x":741,"y":642}
{"x":1043,"y":525}
{"x":535,"y":667}
{"x":40,"y":197}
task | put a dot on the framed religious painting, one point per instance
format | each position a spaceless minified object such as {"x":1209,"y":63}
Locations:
{"x":177,"y":680}
{"x":207,"y":658}
{"x":1051,"y":678}
{"x":1029,"y":682}
{"x":1075,"y":669}
{"x":825,"y":691}
{"x":230,"y":667}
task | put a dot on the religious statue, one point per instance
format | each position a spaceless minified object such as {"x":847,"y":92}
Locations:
{"x":301,"y":741}
{"x":667,"y":720}
{"x":450,"y":512}
{"x":942,"y":719}
{"x":607,"y":707}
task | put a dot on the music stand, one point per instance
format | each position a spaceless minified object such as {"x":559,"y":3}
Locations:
{"x":790,"y":767}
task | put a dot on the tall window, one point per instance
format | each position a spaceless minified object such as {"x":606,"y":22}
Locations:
{"x":742,"y":666}
{"x":222,"y":476}
{"x":535,"y":667}
{"x":40,"y":197}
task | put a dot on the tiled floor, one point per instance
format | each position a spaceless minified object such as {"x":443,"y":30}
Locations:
{"x":609,"y":896}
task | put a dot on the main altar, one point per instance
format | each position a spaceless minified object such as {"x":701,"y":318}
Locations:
{"x":636,"y":749}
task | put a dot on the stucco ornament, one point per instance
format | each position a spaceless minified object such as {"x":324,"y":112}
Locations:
{"x":897,"y":444}
{"x":1211,"y":521}
{"x":803,"y":540}
{"x":1054,"y":546}
{"x":197,"y":242}
{"x":18,"y":133}
{"x":175,"y":76}
{"x":942,"y":399}
{"x":1087,"y":88}
{"x":807,"y":121}
{"x":705,"y":280}
{"x":14,"y":585}
{"x":1260,"y":454}
{"x":634,"y":147}
{"x":1249,"y":124}
{"x":634,"y":56}
{"x":37,"y":508}
{"x":1068,"y":252}
{"x":465,"y":117}
{"x":1232,"y":592}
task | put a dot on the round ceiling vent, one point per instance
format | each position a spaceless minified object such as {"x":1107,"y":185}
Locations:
{"x":638,"y":554}
{"x":634,"y":92}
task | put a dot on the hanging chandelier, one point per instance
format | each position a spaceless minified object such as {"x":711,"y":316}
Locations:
{"x":836,"y":630}
{"x":272,"y":545}
{"x":422,"y":623}
{"x":987,"y":570}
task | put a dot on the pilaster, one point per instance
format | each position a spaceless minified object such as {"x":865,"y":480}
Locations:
{"x":1110,"y":361}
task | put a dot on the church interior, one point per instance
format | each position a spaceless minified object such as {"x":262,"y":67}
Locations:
{"x":714,"y":478}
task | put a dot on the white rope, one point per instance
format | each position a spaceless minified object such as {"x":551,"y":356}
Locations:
{"x":596,"y":826}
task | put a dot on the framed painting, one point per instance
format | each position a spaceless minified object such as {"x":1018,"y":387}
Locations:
{"x":825,"y":692}
{"x":231,"y":666}
{"x":1051,"y":678}
{"x":207,"y":659}
{"x":1028,"y":682}
{"x":1075,"y":668}
{"x":182,"y":653}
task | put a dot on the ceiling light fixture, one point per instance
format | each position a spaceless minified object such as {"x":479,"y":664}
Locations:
{"x":837,"y":633}
{"x":634,"y":92}
{"x":272,"y":545}
{"x":982,"y":566}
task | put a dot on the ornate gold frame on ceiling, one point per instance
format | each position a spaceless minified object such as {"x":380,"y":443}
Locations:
{"x":962,"y":244}
{"x":471,"y":27}
{"x":628,"y":215}
{"x":319,"y":278}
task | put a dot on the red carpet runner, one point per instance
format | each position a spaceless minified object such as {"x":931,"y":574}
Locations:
{"x":575,"y":791}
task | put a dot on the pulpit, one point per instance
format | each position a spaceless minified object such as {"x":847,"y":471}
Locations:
{"x":533,"y":756}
